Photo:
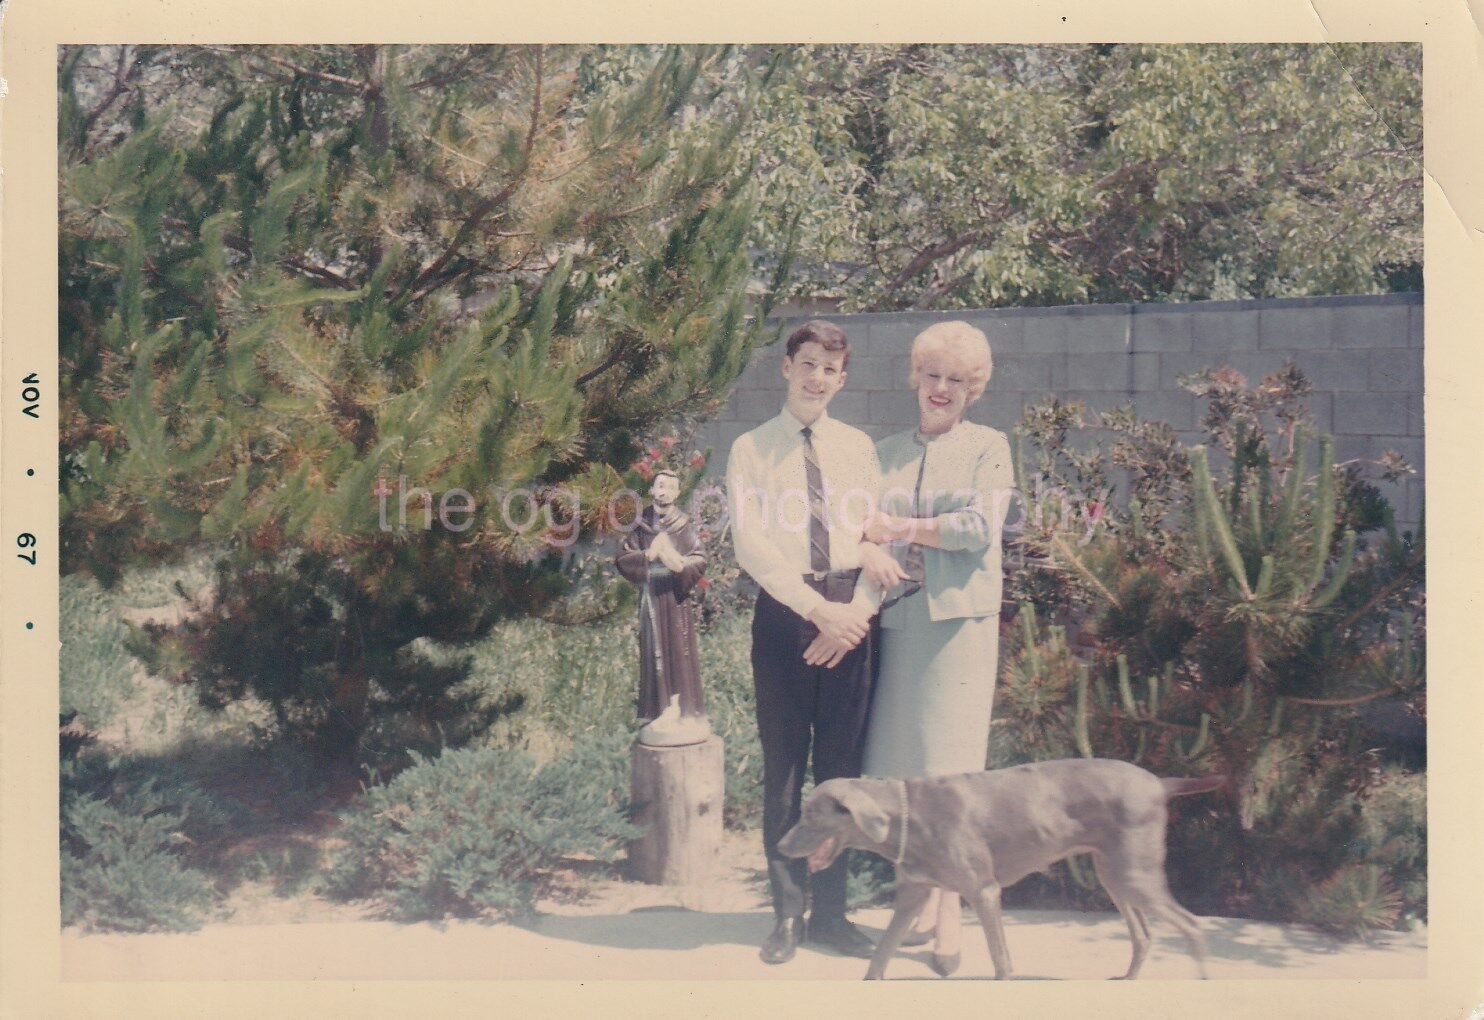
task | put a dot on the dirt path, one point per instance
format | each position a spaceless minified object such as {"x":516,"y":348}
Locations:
{"x":626,"y":930}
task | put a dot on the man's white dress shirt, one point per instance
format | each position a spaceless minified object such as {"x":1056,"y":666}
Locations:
{"x":768,"y":498}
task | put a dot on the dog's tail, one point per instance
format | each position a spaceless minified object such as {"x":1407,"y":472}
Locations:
{"x":1199,"y":784}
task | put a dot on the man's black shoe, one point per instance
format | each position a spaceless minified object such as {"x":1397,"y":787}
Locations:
{"x":784,"y":941}
{"x":840,"y":935}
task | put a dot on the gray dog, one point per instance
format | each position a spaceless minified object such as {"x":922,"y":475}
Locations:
{"x":981,"y":832}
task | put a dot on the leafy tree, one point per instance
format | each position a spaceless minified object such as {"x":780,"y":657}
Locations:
{"x":293,"y":277}
{"x":971,"y":176}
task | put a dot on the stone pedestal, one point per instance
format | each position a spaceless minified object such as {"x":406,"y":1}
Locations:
{"x":678,"y":794}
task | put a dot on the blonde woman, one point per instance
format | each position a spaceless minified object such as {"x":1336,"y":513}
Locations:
{"x":945,"y":489}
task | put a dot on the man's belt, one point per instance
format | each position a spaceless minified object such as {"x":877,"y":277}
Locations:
{"x":833,"y":582}
{"x":825,"y":575}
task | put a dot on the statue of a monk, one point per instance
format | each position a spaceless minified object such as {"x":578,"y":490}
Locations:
{"x":663,"y":557}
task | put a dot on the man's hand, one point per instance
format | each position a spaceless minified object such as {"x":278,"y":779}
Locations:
{"x":842,"y":622}
{"x":880,"y":568}
{"x":825,"y":652}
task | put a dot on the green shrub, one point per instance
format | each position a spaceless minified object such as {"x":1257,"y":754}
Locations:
{"x":569,"y":680}
{"x":95,"y":671}
{"x":479,"y":832}
{"x":1228,"y":622}
{"x":127,"y":844}
{"x":1392,"y":834}
{"x":870,"y":881}
{"x":579,"y":681}
{"x":727,"y":592}
{"x":104,"y":691}
{"x":125,"y":875}
{"x":1353,"y":902}
{"x":726,"y":670}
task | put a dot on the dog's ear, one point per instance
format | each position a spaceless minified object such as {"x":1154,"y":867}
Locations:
{"x":867,"y":815}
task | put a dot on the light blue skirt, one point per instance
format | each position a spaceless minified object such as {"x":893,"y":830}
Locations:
{"x":930,"y":712}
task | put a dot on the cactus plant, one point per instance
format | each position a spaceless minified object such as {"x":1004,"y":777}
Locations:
{"x":1232,"y":618}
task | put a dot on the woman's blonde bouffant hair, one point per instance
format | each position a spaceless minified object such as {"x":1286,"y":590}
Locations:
{"x":960,"y":340}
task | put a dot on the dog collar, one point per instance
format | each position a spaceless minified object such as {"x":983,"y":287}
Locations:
{"x":902,"y":835}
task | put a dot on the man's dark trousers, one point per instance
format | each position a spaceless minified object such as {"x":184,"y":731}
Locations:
{"x":800,"y":706}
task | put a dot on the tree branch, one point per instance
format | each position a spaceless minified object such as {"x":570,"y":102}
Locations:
{"x":320,"y":272}
{"x":482,"y":210}
{"x":1395,"y":585}
{"x":340,"y":83}
{"x":929,"y":255}
{"x":616,"y":354}
{"x":439,"y":80}
{"x":120,"y":79}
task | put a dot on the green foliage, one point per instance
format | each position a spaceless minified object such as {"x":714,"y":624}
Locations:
{"x":94,"y":669}
{"x":1036,"y":693}
{"x":122,"y":876}
{"x":478,"y":832}
{"x":1226,"y":626}
{"x":1354,"y":901}
{"x":870,"y":881}
{"x":924,"y":176}
{"x":480,"y":268}
{"x":401,"y":698}
{"x":581,"y":682}
{"x":128,"y":841}
{"x":729,"y":592}
{"x":726,"y":671}
{"x":96,"y":672}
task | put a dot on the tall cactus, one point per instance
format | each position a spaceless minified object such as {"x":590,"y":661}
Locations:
{"x":1234,"y":637}
{"x":1213,"y":519}
{"x":1273,"y":540}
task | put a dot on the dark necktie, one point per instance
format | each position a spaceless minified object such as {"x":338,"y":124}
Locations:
{"x":819,"y":532}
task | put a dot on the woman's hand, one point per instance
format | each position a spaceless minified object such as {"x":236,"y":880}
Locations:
{"x":880,"y":568}
{"x":884,"y":528}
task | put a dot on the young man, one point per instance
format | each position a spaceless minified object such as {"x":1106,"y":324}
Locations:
{"x":800,"y":488}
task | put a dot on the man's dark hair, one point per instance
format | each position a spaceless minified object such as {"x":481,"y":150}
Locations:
{"x":828,"y":335}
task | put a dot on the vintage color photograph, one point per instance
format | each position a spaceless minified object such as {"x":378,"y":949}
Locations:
{"x":593,"y":512}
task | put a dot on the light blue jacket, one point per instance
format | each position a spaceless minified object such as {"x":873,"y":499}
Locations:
{"x":965,"y":479}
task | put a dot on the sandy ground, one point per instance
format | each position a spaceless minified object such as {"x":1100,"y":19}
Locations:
{"x":626,"y":930}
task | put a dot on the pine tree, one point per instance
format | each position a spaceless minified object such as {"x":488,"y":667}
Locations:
{"x":295,"y":280}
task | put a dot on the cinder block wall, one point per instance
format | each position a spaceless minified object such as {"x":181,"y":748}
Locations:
{"x":1363,"y":355}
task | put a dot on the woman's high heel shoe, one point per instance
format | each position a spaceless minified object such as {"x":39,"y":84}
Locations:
{"x":918,"y":938}
{"x":945,"y":965}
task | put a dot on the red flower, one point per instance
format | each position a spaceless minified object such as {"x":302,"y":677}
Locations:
{"x":697,"y":460}
{"x":654,"y":453}
{"x":1095,"y":512}
{"x":668,"y":442}
{"x":703,"y":583}
{"x":644,"y":469}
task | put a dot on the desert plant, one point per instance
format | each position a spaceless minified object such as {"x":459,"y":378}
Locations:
{"x":1231,"y":623}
